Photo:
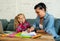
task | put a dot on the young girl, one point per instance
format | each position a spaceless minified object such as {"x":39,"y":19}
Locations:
{"x":20,"y":23}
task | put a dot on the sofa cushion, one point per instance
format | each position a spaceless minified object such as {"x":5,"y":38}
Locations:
{"x":4,"y":23}
{"x":31,"y":21}
{"x":57,"y":25}
{"x":10,"y":26}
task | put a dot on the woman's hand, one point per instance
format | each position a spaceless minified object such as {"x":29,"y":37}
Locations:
{"x":41,"y":31}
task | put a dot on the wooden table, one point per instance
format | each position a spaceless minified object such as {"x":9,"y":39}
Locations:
{"x":44,"y":37}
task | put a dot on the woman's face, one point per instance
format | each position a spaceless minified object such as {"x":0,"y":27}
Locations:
{"x":40,"y":12}
{"x":21,"y":18}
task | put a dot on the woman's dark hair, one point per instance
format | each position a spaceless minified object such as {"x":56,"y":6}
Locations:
{"x":41,"y":6}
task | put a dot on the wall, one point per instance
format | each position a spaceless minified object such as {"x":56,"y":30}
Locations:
{"x":10,"y":8}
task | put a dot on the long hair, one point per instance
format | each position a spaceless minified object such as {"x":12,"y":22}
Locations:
{"x":16,"y":23}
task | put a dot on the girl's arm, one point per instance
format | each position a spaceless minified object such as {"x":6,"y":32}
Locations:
{"x":18,"y":29}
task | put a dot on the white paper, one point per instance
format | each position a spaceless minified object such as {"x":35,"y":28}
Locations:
{"x":28,"y":34}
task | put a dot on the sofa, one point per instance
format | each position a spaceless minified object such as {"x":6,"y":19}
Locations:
{"x":9,"y":25}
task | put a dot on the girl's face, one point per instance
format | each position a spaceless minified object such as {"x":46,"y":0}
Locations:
{"x":21,"y":19}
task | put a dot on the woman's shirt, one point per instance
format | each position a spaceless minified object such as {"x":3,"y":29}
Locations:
{"x":48,"y":22}
{"x":41,"y":26}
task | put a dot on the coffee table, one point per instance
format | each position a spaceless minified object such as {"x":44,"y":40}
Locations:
{"x":44,"y":37}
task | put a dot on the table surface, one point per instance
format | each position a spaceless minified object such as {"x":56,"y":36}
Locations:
{"x":44,"y":37}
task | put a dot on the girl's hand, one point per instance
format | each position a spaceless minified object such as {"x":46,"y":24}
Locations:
{"x":30,"y":29}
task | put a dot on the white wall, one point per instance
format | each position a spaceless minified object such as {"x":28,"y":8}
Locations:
{"x":10,"y":8}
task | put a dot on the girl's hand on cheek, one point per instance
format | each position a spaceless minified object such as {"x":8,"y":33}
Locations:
{"x":23,"y":20}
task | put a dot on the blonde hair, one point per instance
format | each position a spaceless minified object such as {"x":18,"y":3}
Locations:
{"x":16,"y":23}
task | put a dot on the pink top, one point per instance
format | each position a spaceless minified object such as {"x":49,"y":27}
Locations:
{"x":22,"y":27}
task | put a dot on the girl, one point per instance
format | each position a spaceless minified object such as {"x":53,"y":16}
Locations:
{"x":20,"y":23}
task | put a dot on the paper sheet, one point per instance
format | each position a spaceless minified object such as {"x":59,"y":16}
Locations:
{"x":25,"y":33}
